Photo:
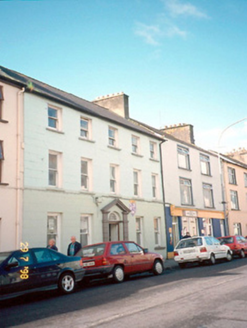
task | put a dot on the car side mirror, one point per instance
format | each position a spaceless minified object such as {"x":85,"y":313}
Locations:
{"x":145,"y":250}
{"x":11,"y":265}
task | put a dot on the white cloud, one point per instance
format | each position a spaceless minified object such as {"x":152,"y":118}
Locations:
{"x":176,"y":8}
{"x":150,"y":33}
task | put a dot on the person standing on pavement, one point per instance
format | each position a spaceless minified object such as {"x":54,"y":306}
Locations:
{"x":52,"y":244}
{"x":73,"y":247}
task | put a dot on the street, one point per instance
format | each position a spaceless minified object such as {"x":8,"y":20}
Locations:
{"x":196,"y":297}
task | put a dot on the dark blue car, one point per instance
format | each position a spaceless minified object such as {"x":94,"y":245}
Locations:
{"x":34,"y":269}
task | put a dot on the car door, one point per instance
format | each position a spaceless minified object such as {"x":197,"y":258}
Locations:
{"x":18,"y":273}
{"x":118,"y":254}
{"x":139,"y":260}
{"x":48,"y":269}
{"x":218,"y":249}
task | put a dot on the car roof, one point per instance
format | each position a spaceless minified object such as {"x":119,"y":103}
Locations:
{"x":110,"y":242}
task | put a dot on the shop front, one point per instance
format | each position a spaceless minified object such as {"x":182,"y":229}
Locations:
{"x":181,"y":221}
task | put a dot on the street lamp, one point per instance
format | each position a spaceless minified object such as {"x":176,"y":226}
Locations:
{"x":221,"y":175}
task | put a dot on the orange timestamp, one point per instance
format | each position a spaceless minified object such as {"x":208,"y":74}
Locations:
{"x":24,"y":273}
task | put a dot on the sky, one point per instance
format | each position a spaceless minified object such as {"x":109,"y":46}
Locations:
{"x":178,"y":61}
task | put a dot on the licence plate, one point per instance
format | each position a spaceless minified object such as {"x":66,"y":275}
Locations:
{"x":87,"y":264}
{"x":187,"y":251}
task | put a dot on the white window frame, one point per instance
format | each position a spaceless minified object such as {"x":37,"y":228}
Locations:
{"x":113,"y":139}
{"x":232,"y":175}
{"x":234,"y":200}
{"x":137,"y":183}
{"x":153,"y":150}
{"x":58,"y":218}
{"x":114,"y":179}
{"x":245,"y":180}
{"x":57,"y":118}
{"x":135,"y":144}
{"x":154,"y":178}
{"x":183,"y":158}
{"x":88,"y":230}
{"x":237,"y":228}
{"x":186,"y":185}
{"x":205,"y":164}
{"x":57,"y":170}
{"x":157,"y":231}
{"x":139,"y":230}
{"x":87,"y":174}
{"x":86,"y":131}
{"x":208,"y":196}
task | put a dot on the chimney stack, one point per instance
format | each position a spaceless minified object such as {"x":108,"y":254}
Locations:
{"x":116,"y":102}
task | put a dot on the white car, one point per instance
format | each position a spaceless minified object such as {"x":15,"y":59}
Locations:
{"x":200,"y":249}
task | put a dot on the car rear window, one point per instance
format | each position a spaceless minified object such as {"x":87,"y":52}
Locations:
{"x":185,"y":243}
{"x":226,"y":240}
{"x":91,"y":251}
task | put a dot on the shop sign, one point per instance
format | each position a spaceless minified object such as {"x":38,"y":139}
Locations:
{"x":190,"y":213}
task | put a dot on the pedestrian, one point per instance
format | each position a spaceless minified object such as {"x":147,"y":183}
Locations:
{"x":52,"y":244}
{"x":187,"y":235}
{"x":73,"y":247}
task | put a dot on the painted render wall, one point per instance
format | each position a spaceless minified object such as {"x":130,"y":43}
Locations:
{"x":70,"y":200}
{"x":12,"y":177}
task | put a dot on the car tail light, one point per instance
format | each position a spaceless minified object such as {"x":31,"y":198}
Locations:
{"x":235,"y":246}
{"x":104,"y":261}
{"x":203,"y":249}
{"x":175,"y":253}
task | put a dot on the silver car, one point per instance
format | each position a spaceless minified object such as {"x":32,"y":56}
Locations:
{"x":200,"y":249}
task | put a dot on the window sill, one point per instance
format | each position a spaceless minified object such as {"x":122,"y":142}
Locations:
{"x":192,"y":205}
{"x":86,"y":192}
{"x":232,"y":184}
{"x":209,"y":207}
{"x":137,"y":155}
{"x":85,"y":139}
{"x":235,"y":209}
{"x":112,"y":147}
{"x":3,"y":121}
{"x":157,"y":248}
{"x":154,"y":160}
{"x":4,"y":184}
{"x":54,"y":130}
{"x":50,"y":188}
{"x":206,"y":175}
{"x":183,"y":168}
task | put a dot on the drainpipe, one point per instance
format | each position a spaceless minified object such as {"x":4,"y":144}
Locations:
{"x":163,"y":190}
{"x":19,"y":187}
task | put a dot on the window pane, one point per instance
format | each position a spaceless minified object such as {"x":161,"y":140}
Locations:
{"x":52,"y":112}
{"x":53,"y":161}
{"x":84,"y":180}
{"x":1,"y":93}
{"x":84,"y":124}
{"x":84,"y":167}
{"x":1,"y":150}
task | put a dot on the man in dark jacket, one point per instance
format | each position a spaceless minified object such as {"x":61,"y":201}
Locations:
{"x":73,"y":247}
{"x":51,"y":245}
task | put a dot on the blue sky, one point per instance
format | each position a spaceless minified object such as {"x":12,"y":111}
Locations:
{"x":179,"y":61}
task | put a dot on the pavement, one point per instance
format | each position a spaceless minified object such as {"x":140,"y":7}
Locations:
{"x":170,"y":264}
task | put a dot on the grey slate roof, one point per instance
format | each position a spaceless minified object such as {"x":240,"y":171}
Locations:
{"x":44,"y":90}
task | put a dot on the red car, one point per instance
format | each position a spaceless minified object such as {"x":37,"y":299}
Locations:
{"x":118,"y":259}
{"x":238,"y":244}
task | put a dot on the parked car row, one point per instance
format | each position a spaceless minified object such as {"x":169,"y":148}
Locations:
{"x":201,"y":249}
{"x":35,"y":269}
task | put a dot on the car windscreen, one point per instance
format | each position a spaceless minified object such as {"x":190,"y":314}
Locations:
{"x":226,"y":240}
{"x":4,"y":255}
{"x":189,"y":242}
{"x":91,"y":251}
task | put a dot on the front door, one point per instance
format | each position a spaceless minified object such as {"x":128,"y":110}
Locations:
{"x":113,"y":231}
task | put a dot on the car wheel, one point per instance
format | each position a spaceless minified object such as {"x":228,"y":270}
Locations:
{"x":242,"y":254}
{"x":212,"y":259}
{"x":182,"y":265}
{"x":157,"y":267}
{"x":66,"y":283}
{"x":228,"y":256}
{"x":118,"y":274}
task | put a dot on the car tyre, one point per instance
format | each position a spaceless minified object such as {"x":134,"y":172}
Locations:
{"x":212,"y":259}
{"x":242,"y":254}
{"x":182,"y":265}
{"x":157,"y":267}
{"x":118,"y":274}
{"x":66,"y":283}
{"x":228,"y":256}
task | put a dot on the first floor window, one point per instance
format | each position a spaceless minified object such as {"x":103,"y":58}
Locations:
{"x":234,"y":200}
{"x":245,"y":180}
{"x":157,"y":231}
{"x":154,"y":185}
{"x":113,"y":178}
{"x":1,"y":159}
{"x":85,"y":173}
{"x":84,"y":230}
{"x":139,"y":230}
{"x":232,"y":175}
{"x":54,"y":167}
{"x":186,"y":191}
{"x":205,"y":164}
{"x":136,"y":178}
{"x":208,"y":195}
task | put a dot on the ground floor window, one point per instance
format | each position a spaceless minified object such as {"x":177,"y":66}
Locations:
{"x":222,"y":227}
{"x":53,"y":228}
{"x":189,"y":225}
{"x":174,"y":238}
{"x":85,"y":234}
{"x":237,"y":229}
{"x":207,"y":227}
{"x":139,"y":232}
{"x":157,"y":231}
